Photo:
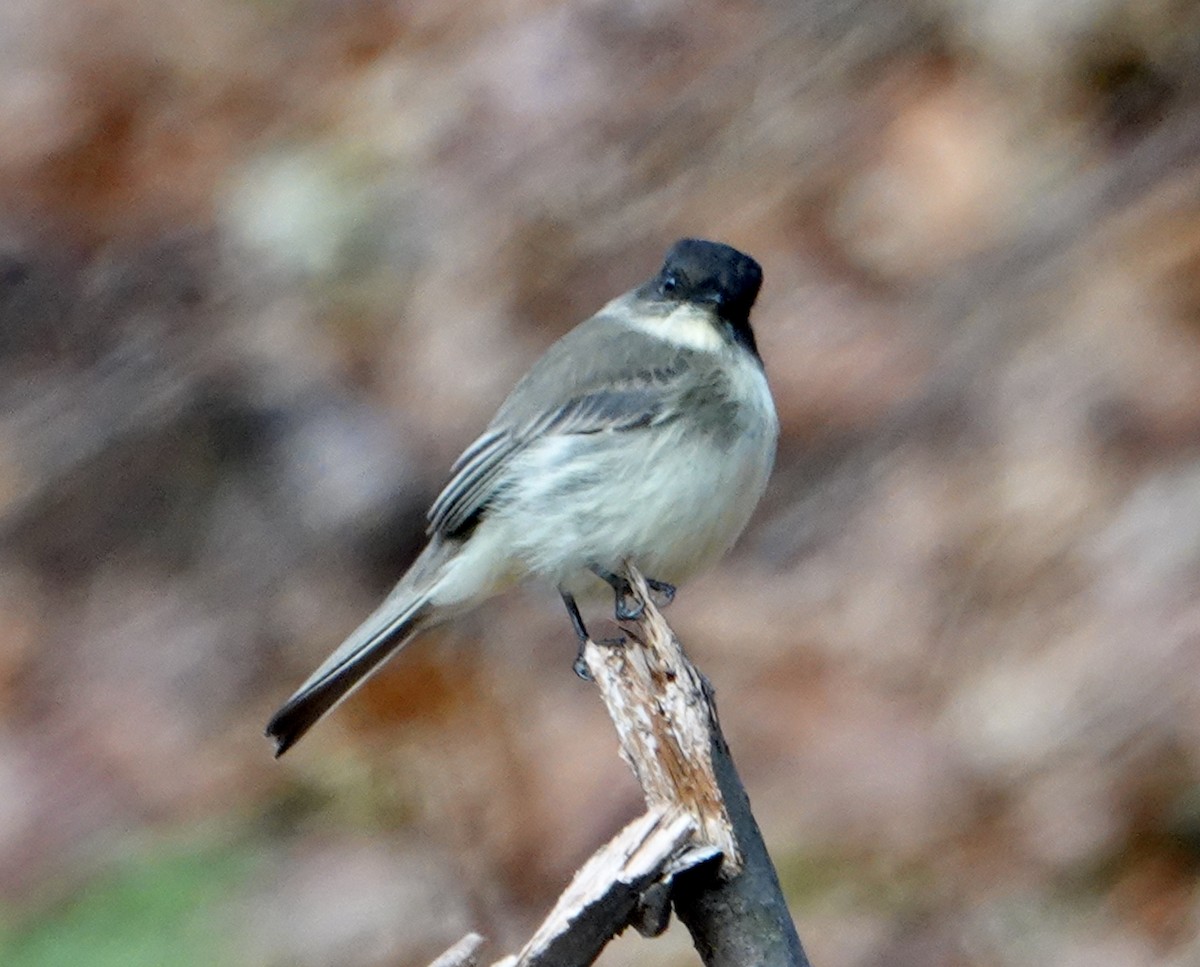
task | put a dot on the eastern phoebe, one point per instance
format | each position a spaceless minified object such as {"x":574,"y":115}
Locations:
{"x":646,"y":434}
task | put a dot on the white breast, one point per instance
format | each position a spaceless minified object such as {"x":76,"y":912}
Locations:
{"x":670,"y":499}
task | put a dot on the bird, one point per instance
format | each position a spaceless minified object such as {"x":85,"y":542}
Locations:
{"x":645,"y":435}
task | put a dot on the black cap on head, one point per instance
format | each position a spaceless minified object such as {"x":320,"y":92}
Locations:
{"x":719,"y":275}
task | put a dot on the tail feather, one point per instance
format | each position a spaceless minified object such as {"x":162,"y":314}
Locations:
{"x":384,"y":633}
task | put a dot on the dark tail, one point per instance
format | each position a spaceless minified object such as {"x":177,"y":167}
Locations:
{"x":383,"y":634}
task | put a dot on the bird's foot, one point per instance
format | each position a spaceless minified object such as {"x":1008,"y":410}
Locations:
{"x":626,"y":606}
{"x":663,"y":593}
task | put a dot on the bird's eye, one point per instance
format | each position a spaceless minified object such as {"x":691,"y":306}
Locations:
{"x":669,"y":284}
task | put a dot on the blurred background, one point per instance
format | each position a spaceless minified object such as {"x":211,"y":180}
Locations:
{"x":266,"y":266}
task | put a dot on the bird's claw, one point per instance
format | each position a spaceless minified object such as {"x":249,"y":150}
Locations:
{"x":661,"y":593}
{"x":626,"y":611}
{"x":665,"y":592}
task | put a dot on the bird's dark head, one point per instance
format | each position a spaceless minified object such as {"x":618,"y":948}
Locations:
{"x":713,"y":277}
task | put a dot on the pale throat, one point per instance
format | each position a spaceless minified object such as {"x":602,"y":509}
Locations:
{"x":686,"y":325}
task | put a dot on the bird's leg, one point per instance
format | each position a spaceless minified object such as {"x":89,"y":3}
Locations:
{"x":622,"y":592}
{"x":581,"y":632}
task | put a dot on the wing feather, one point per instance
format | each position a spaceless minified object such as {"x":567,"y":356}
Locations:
{"x":474,"y":480}
{"x":638,"y":403}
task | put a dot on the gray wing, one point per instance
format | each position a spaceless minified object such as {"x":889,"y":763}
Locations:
{"x":641,"y":400}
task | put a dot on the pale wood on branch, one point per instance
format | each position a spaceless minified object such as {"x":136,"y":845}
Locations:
{"x":698,"y":848}
{"x":665,"y":722}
